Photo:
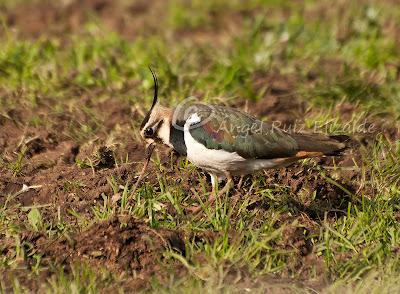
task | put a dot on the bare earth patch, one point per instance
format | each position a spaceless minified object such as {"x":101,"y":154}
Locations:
{"x":122,"y":245}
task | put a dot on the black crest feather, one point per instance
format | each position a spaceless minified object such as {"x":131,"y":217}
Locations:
{"x":155,"y":98}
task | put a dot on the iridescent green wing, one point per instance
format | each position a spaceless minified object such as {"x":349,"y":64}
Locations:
{"x":228,"y":129}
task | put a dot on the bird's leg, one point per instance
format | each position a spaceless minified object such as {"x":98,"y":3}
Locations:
{"x":214,"y":184}
{"x":214,"y":193}
{"x":240,"y":182}
{"x":211,"y":198}
{"x":228,"y":186}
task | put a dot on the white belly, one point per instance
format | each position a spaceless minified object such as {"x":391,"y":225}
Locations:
{"x":214,"y":161}
{"x":220,"y":162}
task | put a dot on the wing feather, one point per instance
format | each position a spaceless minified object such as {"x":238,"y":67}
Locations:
{"x":235,"y":131}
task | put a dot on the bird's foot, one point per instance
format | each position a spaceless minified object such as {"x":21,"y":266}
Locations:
{"x":198,"y":208}
{"x":228,"y":186}
{"x":211,"y":199}
{"x":193,"y":209}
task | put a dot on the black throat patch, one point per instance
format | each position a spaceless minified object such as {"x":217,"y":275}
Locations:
{"x":177,"y":139}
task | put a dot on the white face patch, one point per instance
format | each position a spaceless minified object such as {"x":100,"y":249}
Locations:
{"x":163,"y":133}
{"x":193,"y":119}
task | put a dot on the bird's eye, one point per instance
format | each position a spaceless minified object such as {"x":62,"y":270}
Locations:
{"x":148,"y":132}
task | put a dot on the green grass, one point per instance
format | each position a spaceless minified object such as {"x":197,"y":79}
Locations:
{"x":343,"y":57}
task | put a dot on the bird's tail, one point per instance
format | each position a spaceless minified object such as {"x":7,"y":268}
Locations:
{"x":328,"y":145}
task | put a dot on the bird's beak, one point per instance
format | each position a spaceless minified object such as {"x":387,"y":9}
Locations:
{"x":149,"y":148}
{"x":149,"y":141}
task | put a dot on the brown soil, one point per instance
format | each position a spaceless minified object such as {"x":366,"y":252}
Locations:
{"x":47,"y":17}
{"x":122,"y":245}
{"x":279,"y":103}
{"x":129,"y":19}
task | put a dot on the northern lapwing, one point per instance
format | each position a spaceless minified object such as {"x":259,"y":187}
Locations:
{"x":228,"y":142}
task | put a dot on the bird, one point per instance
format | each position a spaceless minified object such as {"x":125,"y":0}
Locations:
{"x":228,"y":142}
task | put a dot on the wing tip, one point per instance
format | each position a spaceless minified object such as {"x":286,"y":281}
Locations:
{"x":342,"y":141}
{"x":340,"y":138}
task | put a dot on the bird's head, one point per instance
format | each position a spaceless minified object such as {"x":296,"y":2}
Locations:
{"x":156,"y":125}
